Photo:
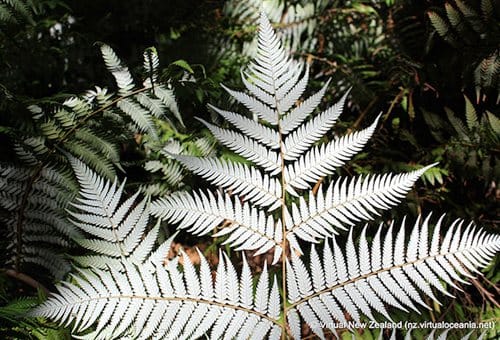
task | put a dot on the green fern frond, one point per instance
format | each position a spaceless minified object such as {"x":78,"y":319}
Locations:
{"x":457,"y":124}
{"x":442,"y":27}
{"x":104,"y":147}
{"x":167,"y":96}
{"x":471,"y":16}
{"x":6,"y":15}
{"x":79,"y":127}
{"x":455,"y":18}
{"x":51,"y":130}
{"x":17,"y":11}
{"x":79,"y":106}
{"x":139,"y":115}
{"x":40,"y":234}
{"x":471,"y":115}
{"x":487,"y":9}
{"x":86,"y":152}
{"x":489,"y":70}
{"x":494,"y":122}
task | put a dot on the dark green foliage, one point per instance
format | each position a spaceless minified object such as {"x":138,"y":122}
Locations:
{"x":411,"y":60}
{"x":37,"y":184}
{"x":472,"y":29}
{"x":469,"y":144}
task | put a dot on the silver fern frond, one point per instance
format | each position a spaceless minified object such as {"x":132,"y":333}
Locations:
{"x":387,"y":273}
{"x":324,"y":159}
{"x":309,"y":133}
{"x":117,"y":231}
{"x":295,"y":22}
{"x":247,"y":148}
{"x":165,"y":302}
{"x":33,"y":211}
{"x":283,"y":143}
{"x":250,"y":127}
{"x":41,"y":232}
{"x":265,"y":207}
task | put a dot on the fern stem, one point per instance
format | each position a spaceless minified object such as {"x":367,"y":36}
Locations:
{"x":283,"y":224}
{"x":283,"y":242}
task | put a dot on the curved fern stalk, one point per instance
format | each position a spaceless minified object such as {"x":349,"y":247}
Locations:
{"x":387,"y":273}
{"x":118,"y":230}
{"x":150,"y":300}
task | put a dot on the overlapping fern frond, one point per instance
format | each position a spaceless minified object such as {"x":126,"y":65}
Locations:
{"x":261,"y":208}
{"x":167,"y":173}
{"x":474,"y":139}
{"x":34,"y":213}
{"x":17,"y":11}
{"x":150,"y":300}
{"x":37,"y":186}
{"x":129,"y":288}
{"x":116,"y":230}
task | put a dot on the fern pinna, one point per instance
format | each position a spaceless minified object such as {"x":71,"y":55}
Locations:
{"x":266,"y":206}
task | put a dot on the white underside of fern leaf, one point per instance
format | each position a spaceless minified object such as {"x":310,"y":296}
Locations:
{"x":275,"y":84}
{"x":386,"y":273}
{"x":263,"y":207}
{"x":153,"y":300}
{"x":117,"y":231}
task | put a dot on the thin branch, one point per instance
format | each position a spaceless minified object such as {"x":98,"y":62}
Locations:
{"x":26,"y":279}
{"x":485,"y":293}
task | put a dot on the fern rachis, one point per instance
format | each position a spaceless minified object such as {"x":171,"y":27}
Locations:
{"x":264,"y":209}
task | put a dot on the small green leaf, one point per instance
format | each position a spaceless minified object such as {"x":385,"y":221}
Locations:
{"x":494,"y":122}
{"x":184,"y":65}
{"x":470,"y":115}
{"x":457,"y":124}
